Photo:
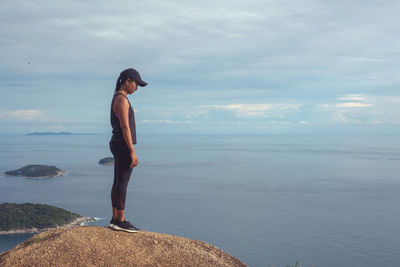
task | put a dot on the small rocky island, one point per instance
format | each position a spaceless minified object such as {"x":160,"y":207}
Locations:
{"x":38,"y":171}
{"x":59,"y":133}
{"x":49,"y":133}
{"x":107,"y":161}
{"x":30,"y":218}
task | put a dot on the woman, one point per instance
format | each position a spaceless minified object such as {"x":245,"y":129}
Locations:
{"x":121,"y":145}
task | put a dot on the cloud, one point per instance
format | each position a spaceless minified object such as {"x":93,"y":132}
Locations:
{"x":231,"y":122}
{"x":167,"y":121}
{"x":375,"y":121}
{"x":253,"y":38}
{"x":353,"y":105}
{"x":340,"y":117}
{"x":258,"y":110}
{"x":366,"y":109}
{"x":59,"y":128}
{"x":361,"y":59}
{"x":353,"y":97}
{"x":22,"y":115}
{"x":279,"y":122}
{"x":211,"y":60}
{"x":360,"y":98}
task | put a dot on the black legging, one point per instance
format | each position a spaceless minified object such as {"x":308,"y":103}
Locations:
{"x":122,"y":173}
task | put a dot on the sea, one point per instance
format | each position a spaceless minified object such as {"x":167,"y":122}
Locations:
{"x":267,"y":199}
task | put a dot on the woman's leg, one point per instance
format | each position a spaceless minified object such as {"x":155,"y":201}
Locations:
{"x":122,"y":173}
{"x":114,"y":151}
{"x":121,"y":215}
{"x":115,"y":213}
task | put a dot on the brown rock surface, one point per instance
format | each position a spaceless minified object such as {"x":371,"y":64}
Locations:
{"x":100,"y":246}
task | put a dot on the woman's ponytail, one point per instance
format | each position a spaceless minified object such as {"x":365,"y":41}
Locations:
{"x":118,"y":85}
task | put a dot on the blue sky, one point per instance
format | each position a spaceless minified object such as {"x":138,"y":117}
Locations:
{"x":212,"y":66}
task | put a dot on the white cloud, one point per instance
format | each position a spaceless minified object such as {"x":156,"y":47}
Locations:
{"x":198,"y":112}
{"x":353,"y":97}
{"x":230,"y":123}
{"x":167,"y":121}
{"x":353,"y":105}
{"x":339,"y":117}
{"x":375,"y":121}
{"x":22,"y":115}
{"x":361,"y":59}
{"x":257,"y":35}
{"x":259,"y":110}
{"x":59,"y":128}
{"x":279,"y":122}
{"x":257,"y":51}
{"x":366,"y":109}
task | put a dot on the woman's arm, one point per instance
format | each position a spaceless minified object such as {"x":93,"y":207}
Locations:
{"x":122,"y":112}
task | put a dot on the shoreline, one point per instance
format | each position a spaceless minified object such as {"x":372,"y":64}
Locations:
{"x":77,"y":222}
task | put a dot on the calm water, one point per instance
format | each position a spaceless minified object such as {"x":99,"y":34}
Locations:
{"x":268,"y":200}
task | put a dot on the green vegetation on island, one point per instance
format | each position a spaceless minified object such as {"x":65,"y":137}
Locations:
{"x":35,"y":170}
{"x":28,"y":215}
{"x":107,"y":161}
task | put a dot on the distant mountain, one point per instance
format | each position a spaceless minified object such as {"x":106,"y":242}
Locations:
{"x":59,"y":133}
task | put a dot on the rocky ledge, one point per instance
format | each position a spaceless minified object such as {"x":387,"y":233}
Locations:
{"x":100,"y":246}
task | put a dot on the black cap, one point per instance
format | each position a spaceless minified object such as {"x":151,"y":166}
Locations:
{"x":133,"y":75}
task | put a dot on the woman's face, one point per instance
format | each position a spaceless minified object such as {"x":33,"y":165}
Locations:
{"x":132,"y":87}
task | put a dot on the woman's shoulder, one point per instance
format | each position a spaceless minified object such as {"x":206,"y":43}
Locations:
{"x":120,"y":97}
{"x":118,"y":94}
{"x":121,"y":100}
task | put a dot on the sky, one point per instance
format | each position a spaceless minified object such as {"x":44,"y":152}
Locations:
{"x":288,"y":66}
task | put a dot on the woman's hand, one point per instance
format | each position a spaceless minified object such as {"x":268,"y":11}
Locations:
{"x":134,"y":159}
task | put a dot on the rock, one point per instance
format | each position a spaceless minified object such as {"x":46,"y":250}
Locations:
{"x":36,"y":170}
{"x":107,"y":161}
{"x":100,"y":246}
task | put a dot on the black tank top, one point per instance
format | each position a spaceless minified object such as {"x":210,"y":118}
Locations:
{"x":117,"y":135}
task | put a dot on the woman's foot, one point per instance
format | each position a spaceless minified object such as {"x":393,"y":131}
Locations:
{"x":112,"y":222}
{"x":124,"y":226}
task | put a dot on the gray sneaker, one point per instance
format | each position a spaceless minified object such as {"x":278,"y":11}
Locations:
{"x":124,"y":226}
{"x":112,"y":222}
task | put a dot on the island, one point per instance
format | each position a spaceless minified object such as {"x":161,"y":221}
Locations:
{"x":107,"y":161}
{"x":17,"y":218}
{"x":35,"y":170}
{"x":59,"y":133}
{"x":49,"y":133}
